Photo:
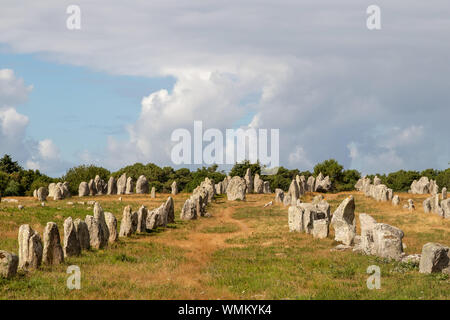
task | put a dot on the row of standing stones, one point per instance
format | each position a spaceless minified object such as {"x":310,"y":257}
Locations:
{"x":314,"y":218}
{"x":96,"y":231}
{"x":437,"y":203}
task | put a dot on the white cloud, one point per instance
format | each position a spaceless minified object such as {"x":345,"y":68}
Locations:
{"x":323,"y":79}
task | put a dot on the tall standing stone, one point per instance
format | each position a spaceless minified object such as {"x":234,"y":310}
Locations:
{"x":52,"y":252}
{"x":122,"y":184}
{"x":42,"y":194}
{"x":258,"y":185}
{"x":153,"y":193}
{"x":129,"y":222}
{"x":57,"y":194}
{"x":130,"y":186}
{"x":237,"y":188}
{"x":174,"y":188}
{"x":267,"y":187}
{"x":343,"y":221}
{"x":188,"y":212}
{"x":99,"y":215}
{"x":169,"y":210}
{"x":83,"y":236}
{"x":279,"y":195}
{"x":111,"y":223}
{"x":249,"y":181}
{"x":388,"y":241}
{"x":72,"y":246}
{"x":92,"y":188}
{"x":444,"y":193}
{"x":293,"y":194}
{"x":142,"y":218}
{"x":142,"y":185}
{"x":83,"y":189}
{"x":295,"y":219}
{"x":8,"y":264}
{"x":112,"y":186}
{"x":30,"y":248}
{"x":95,"y":232}
{"x":367,"y":224}
{"x":311,"y":184}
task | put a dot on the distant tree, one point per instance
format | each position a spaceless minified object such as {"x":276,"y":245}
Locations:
{"x":443,"y":179}
{"x":74,"y":176}
{"x":240,"y":169}
{"x":347,"y":181}
{"x":400,"y":181}
{"x":4,"y":179}
{"x":8,"y":165}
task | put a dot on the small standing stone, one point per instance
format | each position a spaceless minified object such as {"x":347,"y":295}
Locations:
{"x":174,"y":188}
{"x":396,"y":200}
{"x":111,"y":223}
{"x":8,"y":264}
{"x":435,"y":258}
{"x":30,"y":248}
{"x":153,"y":193}
{"x":129,"y":222}
{"x":82,"y":231}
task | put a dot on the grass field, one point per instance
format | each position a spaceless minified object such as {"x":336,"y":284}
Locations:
{"x":242,"y":252}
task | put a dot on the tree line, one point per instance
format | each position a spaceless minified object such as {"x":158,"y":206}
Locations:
{"x":17,"y":181}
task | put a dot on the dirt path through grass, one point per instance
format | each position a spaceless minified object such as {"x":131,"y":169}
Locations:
{"x":200,"y":243}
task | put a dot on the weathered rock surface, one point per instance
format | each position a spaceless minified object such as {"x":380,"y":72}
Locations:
{"x":169,"y":210}
{"x":30,"y":248}
{"x":396,"y":200}
{"x":142,"y":218}
{"x":130,"y":186}
{"x":249,"y":180}
{"x":92,"y":188}
{"x":122,"y":184}
{"x":189,"y":212}
{"x":367,"y":224}
{"x":279,"y":195}
{"x":82,"y":231}
{"x":343,"y":221}
{"x":266,"y":188}
{"x":435,"y":258}
{"x":83,"y":189}
{"x":112,"y":186}
{"x":258,"y":184}
{"x":8,"y":264}
{"x":142,"y":185}
{"x":42,"y":194}
{"x":237,"y":189}
{"x":153,"y":193}
{"x":311,"y":184}
{"x":99,"y":216}
{"x":323,"y":184}
{"x":174,"y":188}
{"x":388,"y":241}
{"x":52,"y":251}
{"x":95,"y":232}
{"x":111,"y":223}
{"x":72,"y":245}
{"x":129,"y":222}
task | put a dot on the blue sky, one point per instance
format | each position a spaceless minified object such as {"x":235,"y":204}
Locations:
{"x":77,"y":107}
{"x":112,"y":92}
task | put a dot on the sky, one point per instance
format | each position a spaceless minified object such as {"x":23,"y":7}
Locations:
{"x":112,"y":92}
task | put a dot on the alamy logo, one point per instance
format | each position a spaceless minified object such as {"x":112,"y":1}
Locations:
{"x":374,"y":280}
{"x":74,"y":280}
{"x":73,"y":22}
{"x":237,"y":145}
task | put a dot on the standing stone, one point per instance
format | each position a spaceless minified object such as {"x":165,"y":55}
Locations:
{"x":129,"y":222}
{"x":8,"y":264}
{"x":279,"y":195}
{"x":267,"y":187}
{"x":292,"y":194}
{"x":95,"y":232}
{"x":99,"y":216}
{"x":72,"y":245}
{"x":435,"y":258}
{"x":142,"y":218}
{"x":249,"y":180}
{"x":112,"y":186}
{"x":343,"y":221}
{"x":444,"y":193}
{"x":295,"y":219}
{"x":323,"y":184}
{"x":434,"y":188}
{"x":100,"y":185}
{"x":53,"y":252}
{"x":141,"y":185}
{"x":411,"y":206}
{"x":258,"y":185}
{"x":92,"y":188}
{"x":396,"y":200}
{"x":320,"y":228}
{"x":30,"y":248}
{"x":376,"y":181}
{"x":169,"y":210}
{"x":130,"y":186}
{"x":427,"y":205}
{"x":83,"y":189}
{"x":153,"y":193}
{"x":445,"y":207}
{"x":189,"y":212}
{"x":388,"y":241}
{"x":51,"y":189}
{"x":237,"y":188}
{"x":311,"y":182}
{"x":367,"y":224}
{"x":174,"y":188}
{"x":122,"y":184}
{"x":82,"y":231}
{"x":35,"y":193}
{"x":42,"y":194}
{"x":57,"y":194}
{"x":111,"y":223}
